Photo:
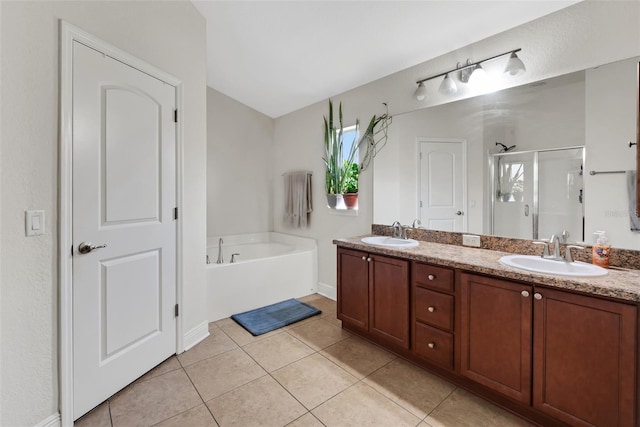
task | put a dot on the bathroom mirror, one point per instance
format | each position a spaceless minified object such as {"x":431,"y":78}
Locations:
{"x":595,"y":109}
{"x":638,"y":149}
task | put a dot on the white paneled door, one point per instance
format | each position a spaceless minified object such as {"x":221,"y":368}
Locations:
{"x":124,"y":232}
{"x":442,"y":185}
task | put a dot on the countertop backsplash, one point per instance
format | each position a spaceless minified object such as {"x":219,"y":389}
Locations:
{"x":620,"y":258}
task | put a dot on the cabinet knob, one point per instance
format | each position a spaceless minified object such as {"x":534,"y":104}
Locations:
{"x":537,"y":296}
{"x":431,"y":345}
{"x":525,"y":293}
{"x":431,"y":277}
{"x":431,"y":309}
{"x":368,"y":259}
{"x":364,"y":258}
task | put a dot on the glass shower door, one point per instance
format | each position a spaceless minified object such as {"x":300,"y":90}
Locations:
{"x":538,"y":193}
{"x":513,"y":195}
{"x":560,"y":193}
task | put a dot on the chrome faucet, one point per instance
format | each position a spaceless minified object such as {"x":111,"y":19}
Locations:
{"x":545,"y":250}
{"x":220,"y":259}
{"x":568,"y":256}
{"x":233,"y":258}
{"x":416,"y":223}
{"x":556,"y":246}
{"x":398,"y":230}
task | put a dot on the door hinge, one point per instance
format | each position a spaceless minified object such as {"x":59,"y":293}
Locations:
{"x":177,"y":310}
{"x":175,"y":213}
{"x":175,"y":116}
{"x":420,"y":203}
{"x":421,"y":155}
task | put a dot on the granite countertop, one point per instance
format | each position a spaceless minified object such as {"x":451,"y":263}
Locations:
{"x":619,"y":283}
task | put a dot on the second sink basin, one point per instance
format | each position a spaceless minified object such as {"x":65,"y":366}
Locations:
{"x":390,"y":242}
{"x":541,"y":265}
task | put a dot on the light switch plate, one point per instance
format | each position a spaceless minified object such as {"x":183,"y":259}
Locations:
{"x":34,"y":223}
{"x":471,"y":240}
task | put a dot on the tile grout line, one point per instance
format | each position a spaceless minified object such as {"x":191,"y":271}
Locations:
{"x":438,"y":405}
{"x":199,"y":395}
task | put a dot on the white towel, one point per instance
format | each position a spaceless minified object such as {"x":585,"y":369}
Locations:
{"x":297,"y":199}
{"x":631,"y":188}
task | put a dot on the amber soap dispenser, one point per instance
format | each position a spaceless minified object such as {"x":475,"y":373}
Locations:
{"x":601,"y":250}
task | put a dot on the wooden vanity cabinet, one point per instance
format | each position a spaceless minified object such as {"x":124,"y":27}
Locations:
{"x":433,"y":313}
{"x":373,"y":295}
{"x":584,"y":358}
{"x":570,"y":356}
{"x":496,"y":334}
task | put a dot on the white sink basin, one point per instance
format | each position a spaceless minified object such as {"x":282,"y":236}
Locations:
{"x":390,"y":242}
{"x":541,"y":265}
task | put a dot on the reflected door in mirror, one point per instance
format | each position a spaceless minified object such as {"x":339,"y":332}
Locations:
{"x":442,"y":184}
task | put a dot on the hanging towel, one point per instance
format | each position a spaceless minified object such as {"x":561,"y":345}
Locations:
{"x":297,"y":199}
{"x":631,"y":188}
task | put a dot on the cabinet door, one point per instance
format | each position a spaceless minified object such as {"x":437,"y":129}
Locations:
{"x":353,"y":288}
{"x":496,"y":334}
{"x":389,"y":299}
{"x":584,"y":359}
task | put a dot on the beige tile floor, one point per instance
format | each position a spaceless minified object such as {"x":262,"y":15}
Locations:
{"x":311,"y":373}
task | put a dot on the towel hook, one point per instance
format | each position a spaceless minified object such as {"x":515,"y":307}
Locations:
{"x":631,"y":144}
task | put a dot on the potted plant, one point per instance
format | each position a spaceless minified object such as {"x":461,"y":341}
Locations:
{"x":340,"y":178}
{"x":351,"y":187}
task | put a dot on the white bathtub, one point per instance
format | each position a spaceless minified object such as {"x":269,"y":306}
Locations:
{"x":270,"y":267}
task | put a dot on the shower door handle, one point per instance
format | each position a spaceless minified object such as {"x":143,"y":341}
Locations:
{"x":526,"y":210}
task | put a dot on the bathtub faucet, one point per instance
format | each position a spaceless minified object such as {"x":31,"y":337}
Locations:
{"x":233,"y":258}
{"x":220,"y":260}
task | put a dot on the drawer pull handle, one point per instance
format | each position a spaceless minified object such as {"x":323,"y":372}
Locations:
{"x":537,"y":296}
{"x":431,"y":309}
{"x":431,"y":277}
{"x":525,"y":294}
{"x":431,"y":345}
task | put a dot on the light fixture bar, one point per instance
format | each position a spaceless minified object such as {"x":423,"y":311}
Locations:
{"x":468,"y":65}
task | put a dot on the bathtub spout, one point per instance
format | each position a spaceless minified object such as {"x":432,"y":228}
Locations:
{"x":233,"y":258}
{"x":220,"y":259}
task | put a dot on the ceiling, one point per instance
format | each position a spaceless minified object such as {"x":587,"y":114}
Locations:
{"x":280,"y":56}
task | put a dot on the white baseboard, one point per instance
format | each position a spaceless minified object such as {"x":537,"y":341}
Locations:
{"x":195,"y":335}
{"x":51,"y":421}
{"x":327,"y":291}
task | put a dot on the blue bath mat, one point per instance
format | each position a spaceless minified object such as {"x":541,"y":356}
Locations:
{"x":274,"y":316}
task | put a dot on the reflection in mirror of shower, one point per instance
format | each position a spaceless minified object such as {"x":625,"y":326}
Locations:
{"x":538,"y":193}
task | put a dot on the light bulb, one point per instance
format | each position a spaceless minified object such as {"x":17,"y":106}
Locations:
{"x":515,"y":66}
{"x":478,"y":77}
{"x":448,"y":86}
{"x":421,"y":92}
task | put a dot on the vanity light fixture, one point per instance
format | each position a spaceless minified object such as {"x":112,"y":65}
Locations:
{"x":448,"y":86}
{"x":421,"y":92}
{"x":514,"y":67}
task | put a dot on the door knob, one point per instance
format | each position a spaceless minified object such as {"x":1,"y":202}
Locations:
{"x":86,"y":247}
{"x":459,"y":213}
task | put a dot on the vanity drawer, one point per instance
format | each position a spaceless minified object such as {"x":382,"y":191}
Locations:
{"x":434,"y":345}
{"x":440,"y":278}
{"x":434,"y":308}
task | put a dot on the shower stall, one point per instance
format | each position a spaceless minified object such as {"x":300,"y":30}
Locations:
{"x":538,"y":193}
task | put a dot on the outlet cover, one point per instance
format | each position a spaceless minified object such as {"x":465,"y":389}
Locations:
{"x":471,"y":240}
